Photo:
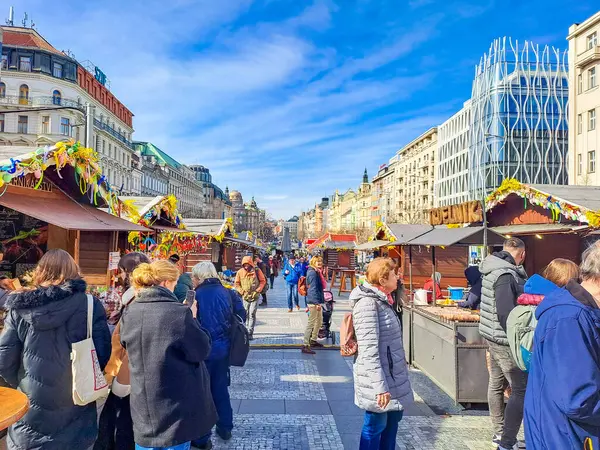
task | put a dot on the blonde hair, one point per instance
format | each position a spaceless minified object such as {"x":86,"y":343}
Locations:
{"x":560,"y":271}
{"x":55,"y":267}
{"x":153,"y":274}
{"x":379,"y":269}
{"x":203,"y":271}
{"x":314,"y":261}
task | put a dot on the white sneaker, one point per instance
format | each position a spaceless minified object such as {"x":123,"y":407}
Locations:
{"x":496,"y":440}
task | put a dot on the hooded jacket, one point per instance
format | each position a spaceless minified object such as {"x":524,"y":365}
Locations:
{"x":562,"y":402}
{"x":502,"y":284}
{"x":536,"y":288}
{"x":216,"y":304}
{"x":473,"y":276}
{"x":170,"y":397}
{"x":249,"y":284}
{"x":380,"y":364}
{"x":35,"y":356}
{"x":184,"y":284}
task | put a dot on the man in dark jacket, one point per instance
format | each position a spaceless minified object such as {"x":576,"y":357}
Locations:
{"x":562,"y":404}
{"x":35,"y":356}
{"x":184,"y":284}
{"x":503,"y":281}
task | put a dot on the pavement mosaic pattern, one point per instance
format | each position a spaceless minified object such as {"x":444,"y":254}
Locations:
{"x":283,"y":399}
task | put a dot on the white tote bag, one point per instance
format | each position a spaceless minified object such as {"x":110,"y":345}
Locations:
{"x":89,"y":383}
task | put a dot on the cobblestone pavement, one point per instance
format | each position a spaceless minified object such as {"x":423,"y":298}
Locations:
{"x":283,"y":399}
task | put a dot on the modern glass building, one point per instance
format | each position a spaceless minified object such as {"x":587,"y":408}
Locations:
{"x":519,"y":120}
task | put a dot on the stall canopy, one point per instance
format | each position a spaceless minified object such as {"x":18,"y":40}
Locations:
{"x":58,"y":209}
{"x":441,"y":236}
{"x":522,"y":229}
{"x":404,"y":233}
{"x":209,"y":227}
{"x":372,"y":245}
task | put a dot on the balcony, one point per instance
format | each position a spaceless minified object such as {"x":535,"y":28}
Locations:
{"x":15,"y":100}
{"x":588,"y":57}
{"x":114,"y":133}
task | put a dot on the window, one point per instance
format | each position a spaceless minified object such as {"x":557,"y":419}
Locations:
{"x":580,"y":83}
{"x":57,"y":71}
{"x":592,"y":78}
{"x":56,"y":97}
{"x":98,"y":144}
{"x":592,"y":119}
{"x":25,"y":63}
{"x":22,"y":126}
{"x":1,"y":123}
{"x":579,"y":163}
{"x":591,"y":162}
{"x":579,"y":123}
{"x":45,"y":124}
{"x":24,"y":95}
{"x":4,"y":61}
{"x":2,"y":90}
{"x":65,"y":126}
{"x":592,"y":40}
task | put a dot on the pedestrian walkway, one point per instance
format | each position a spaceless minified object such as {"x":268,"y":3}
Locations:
{"x":283,"y":399}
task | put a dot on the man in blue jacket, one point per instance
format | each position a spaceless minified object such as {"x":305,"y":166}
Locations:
{"x":562,"y":402}
{"x":292,"y":271}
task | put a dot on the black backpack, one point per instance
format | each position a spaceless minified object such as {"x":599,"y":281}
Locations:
{"x":239,"y":339}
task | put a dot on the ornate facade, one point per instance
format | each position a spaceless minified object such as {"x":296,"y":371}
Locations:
{"x":246,"y":216}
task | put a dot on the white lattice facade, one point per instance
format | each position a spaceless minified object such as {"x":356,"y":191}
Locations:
{"x":519,"y":116}
{"x":452,"y":165}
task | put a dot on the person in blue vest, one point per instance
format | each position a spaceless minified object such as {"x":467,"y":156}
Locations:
{"x":292,"y":271}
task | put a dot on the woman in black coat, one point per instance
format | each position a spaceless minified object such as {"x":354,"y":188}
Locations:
{"x":171,"y":403}
{"x":35,"y":355}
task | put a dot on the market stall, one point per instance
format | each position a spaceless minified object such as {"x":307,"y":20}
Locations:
{"x":339,"y":259}
{"x":214,"y":231}
{"x":534,"y":213}
{"x":238,"y":246}
{"x":50,"y":199}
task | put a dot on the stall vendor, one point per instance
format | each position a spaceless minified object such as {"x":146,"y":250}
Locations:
{"x":429,"y":287}
{"x":473,"y":299}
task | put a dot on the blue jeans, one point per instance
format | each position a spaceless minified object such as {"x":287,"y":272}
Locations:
{"x":379,"y":430}
{"x":185,"y":446}
{"x":292,"y":295}
{"x":218,"y":369}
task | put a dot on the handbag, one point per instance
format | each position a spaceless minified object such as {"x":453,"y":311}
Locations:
{"x":89,"y":383}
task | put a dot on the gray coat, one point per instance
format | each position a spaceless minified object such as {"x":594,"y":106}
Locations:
{"x":380,"y":364}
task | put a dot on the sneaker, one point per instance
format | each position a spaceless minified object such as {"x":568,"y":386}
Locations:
{"x":207,"y":446}
{"x":496,"y":440}
{"x":289,"y":310}
{"x":315,"y":344}
{"x":224,"y":434}
{"x":307,"y":350}
{"x":298,"y":307}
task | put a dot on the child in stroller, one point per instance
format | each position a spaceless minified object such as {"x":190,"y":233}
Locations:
{"x":325,"y":332}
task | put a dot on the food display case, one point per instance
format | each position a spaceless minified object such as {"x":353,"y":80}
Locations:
{"x":445,"y":344}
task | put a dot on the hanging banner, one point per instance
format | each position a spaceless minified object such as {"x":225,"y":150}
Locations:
{"x":468,"y":212}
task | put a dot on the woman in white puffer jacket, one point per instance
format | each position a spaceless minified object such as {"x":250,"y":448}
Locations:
{"x":381,"y":384}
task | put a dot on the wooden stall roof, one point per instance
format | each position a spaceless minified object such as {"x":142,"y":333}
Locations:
{"x":371,"y":245}
{"x":330,"y":240}
{"x":207,"y":227}
{"x":58,"y":209}
{"x":405,"y":233}
{"x":523,"y":229}
{"x":584,"y":196}
{"x":443,"y":236}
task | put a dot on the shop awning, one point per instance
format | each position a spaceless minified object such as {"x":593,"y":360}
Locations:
{"x":372,"y":245}
{"x":58,"y":209}
{"x":538,"y":228}
{"x":207,"y":227}
{"x":444,"y":236}
{"x":243,"y":242}
{"x":405,"y":233}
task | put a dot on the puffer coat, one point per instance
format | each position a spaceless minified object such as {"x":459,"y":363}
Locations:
{"x":215,"y":306}
{"x":380,"y":364}
{"x":35,"y":356}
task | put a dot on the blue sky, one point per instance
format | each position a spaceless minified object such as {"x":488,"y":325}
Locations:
{"x":288,"y":100}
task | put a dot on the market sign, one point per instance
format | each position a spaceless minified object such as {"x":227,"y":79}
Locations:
{"x":468,"y":212}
